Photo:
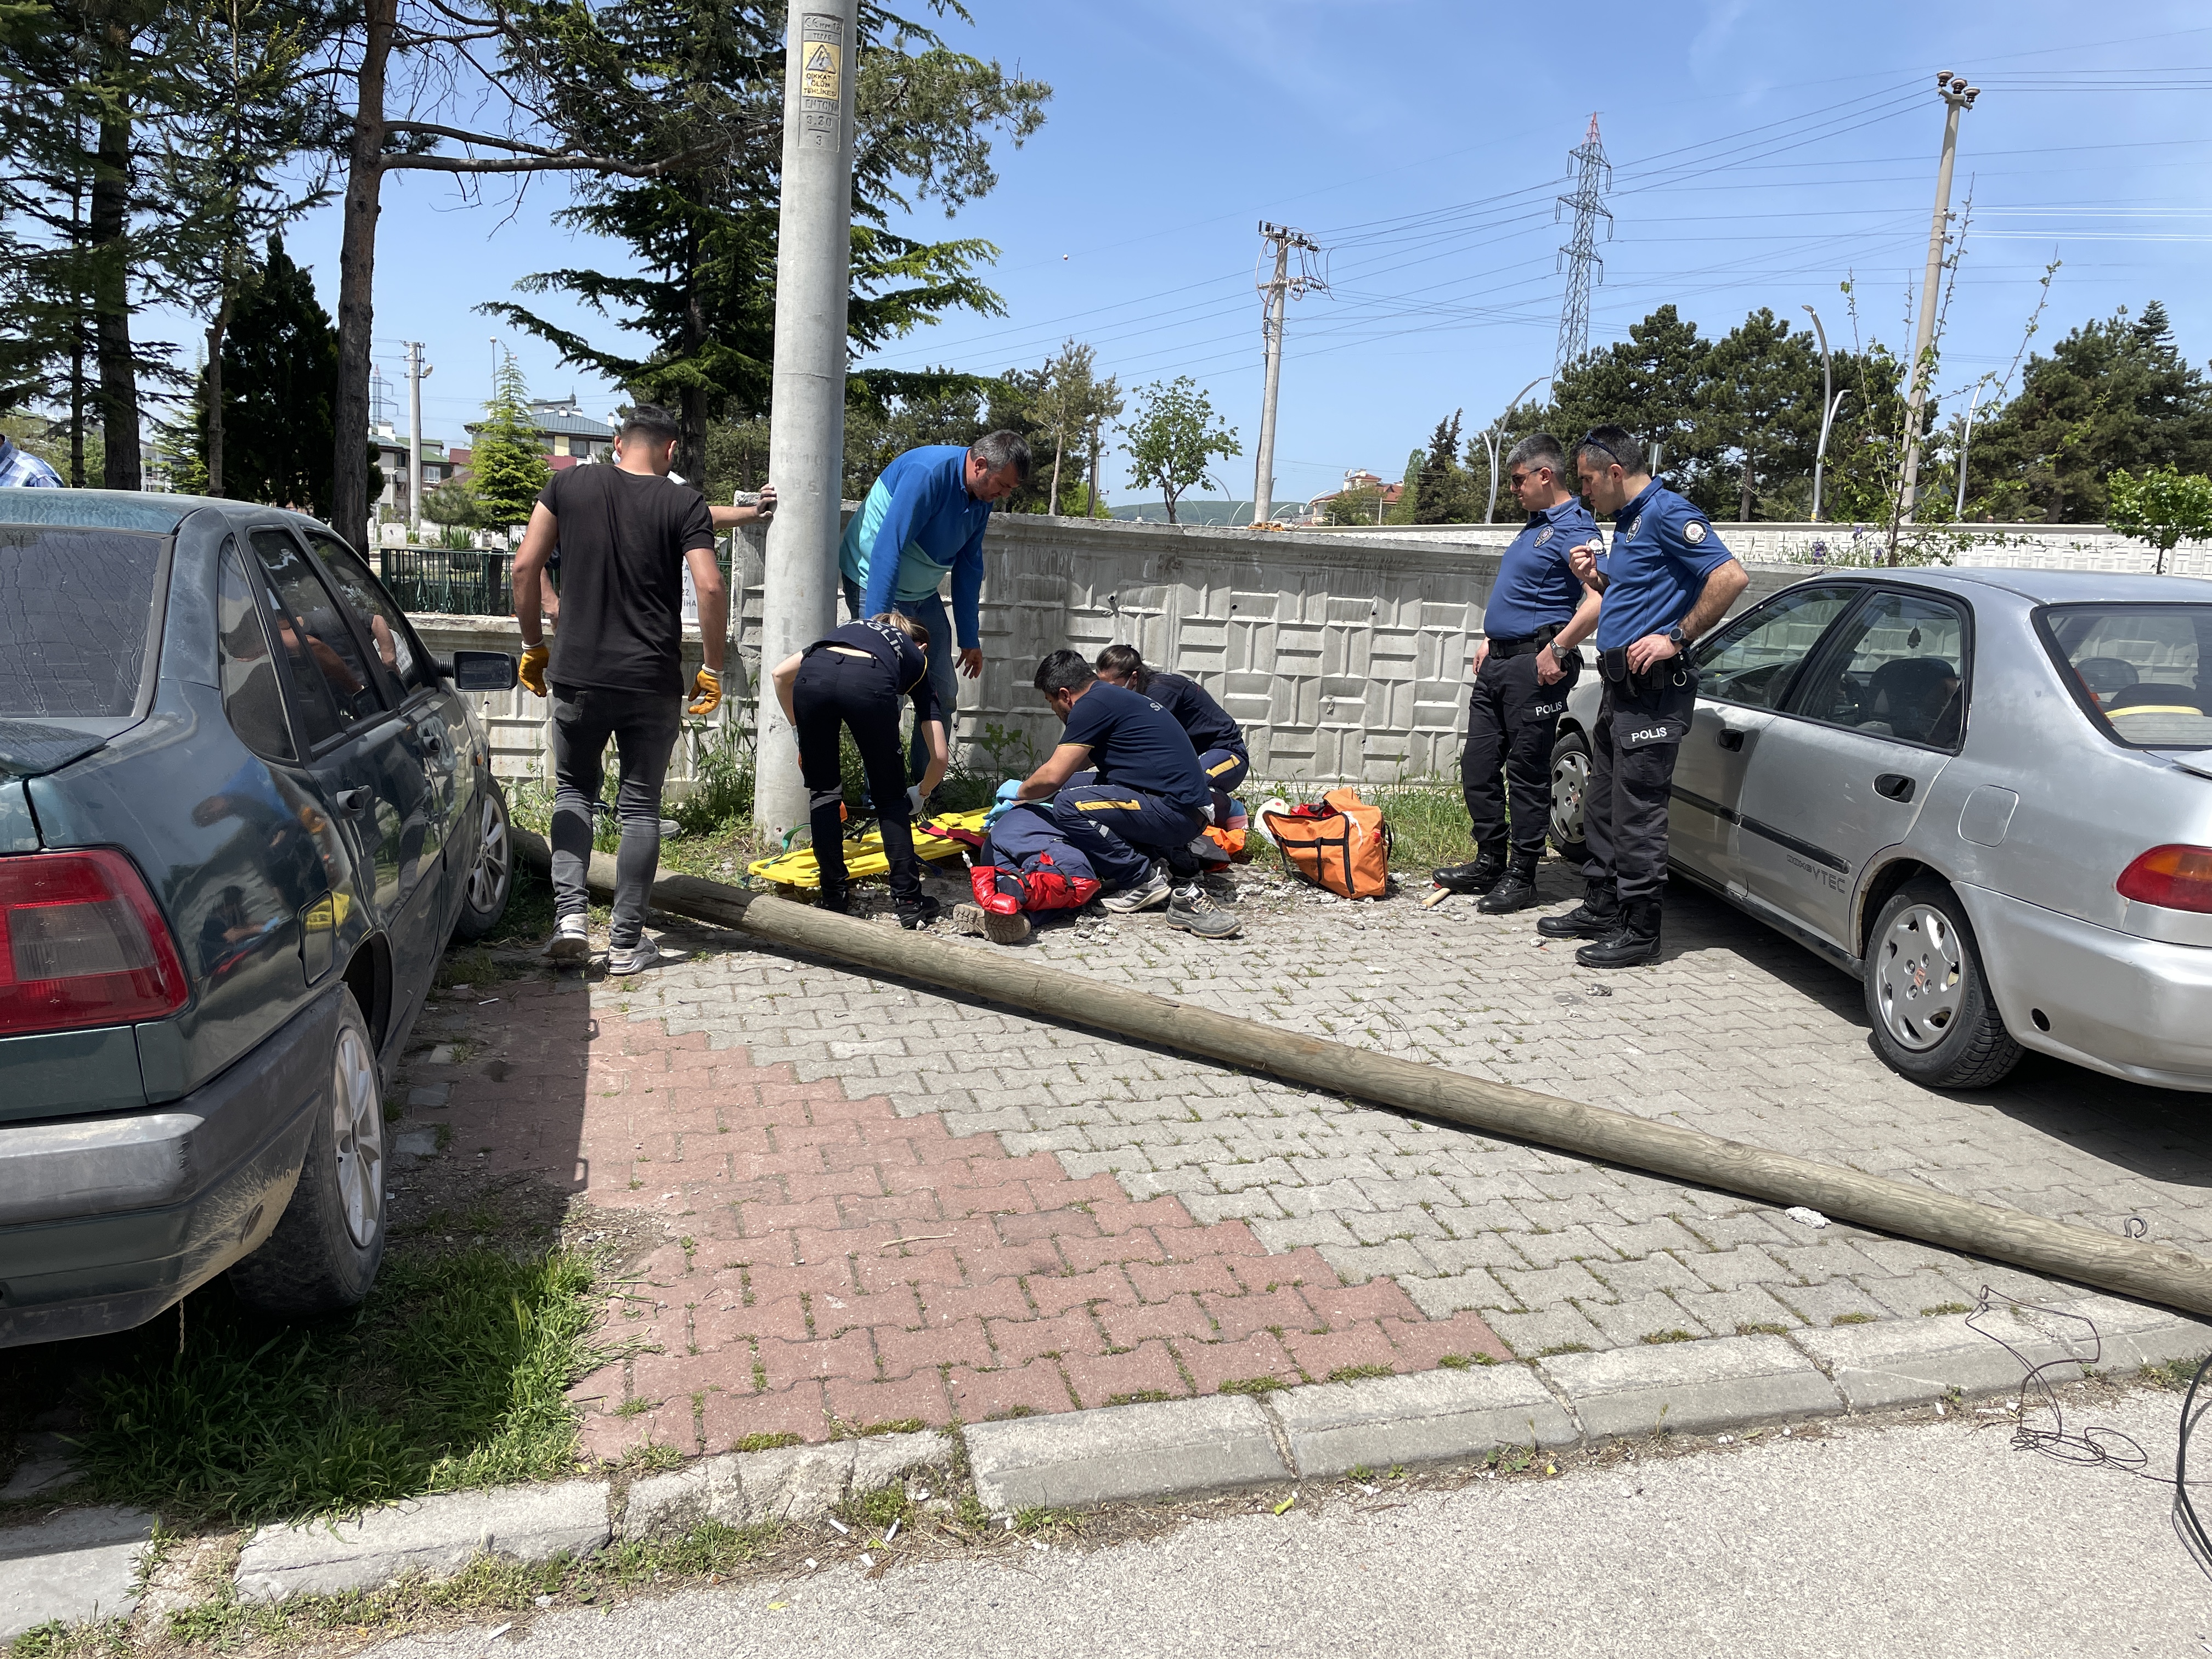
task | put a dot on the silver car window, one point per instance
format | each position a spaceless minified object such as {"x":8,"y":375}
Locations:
{"x":2141,"y":672}
{"x":1755,"y":660}
{"x":1898,"y":669}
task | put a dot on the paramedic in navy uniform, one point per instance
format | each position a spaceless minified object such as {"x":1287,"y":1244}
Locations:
{"x":1529,"y":660}
{"x":1667,"y":581}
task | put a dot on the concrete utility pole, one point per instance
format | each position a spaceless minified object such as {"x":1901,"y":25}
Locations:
{"x":806,"y":436}
{"x":1278,"y":289}
{"x":1957,"y":96}
{"x":417,"y":372}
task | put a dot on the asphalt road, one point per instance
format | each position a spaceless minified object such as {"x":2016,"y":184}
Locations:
{"x":1934,"y":1539}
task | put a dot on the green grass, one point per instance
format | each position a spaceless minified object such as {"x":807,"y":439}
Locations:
{"x":1253,"y":1385}
{"x":1360,"y":1373}
{"x":451,"y":1376}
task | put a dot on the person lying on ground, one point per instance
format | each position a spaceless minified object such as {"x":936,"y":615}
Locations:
{"x":853,"y":677}
{"x":1026,"y":865}
{"x":1134,"y":821}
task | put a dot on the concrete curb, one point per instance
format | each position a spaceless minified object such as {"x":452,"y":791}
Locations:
{"x":82,"y":1564}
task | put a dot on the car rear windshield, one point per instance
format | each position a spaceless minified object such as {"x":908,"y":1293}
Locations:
{"x":2143,"y":671}
{"x":76,"y":612}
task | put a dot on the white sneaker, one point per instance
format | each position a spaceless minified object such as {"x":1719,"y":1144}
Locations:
{"x":1154,"y":890}
{"x":571,"y":942}
{"x":640,"y":957}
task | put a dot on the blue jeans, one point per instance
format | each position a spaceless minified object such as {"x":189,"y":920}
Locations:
{"x":931,"y":613}
{"x":645,"y":726}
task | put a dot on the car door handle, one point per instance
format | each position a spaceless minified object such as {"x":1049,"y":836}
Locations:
{"x":351,"y":800}
{"x":1894,"y":786}
{"x":1731,"y":737}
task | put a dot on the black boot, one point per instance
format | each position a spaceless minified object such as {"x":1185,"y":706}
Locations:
{"x":1516,"y":890}
{"x":836,"y":899}
{"x":1597,"y":915}
{"x":1479,"y":875}
{"x":1632,"y":944}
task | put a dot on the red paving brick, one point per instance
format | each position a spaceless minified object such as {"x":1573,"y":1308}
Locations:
{"x":850,"y":1267}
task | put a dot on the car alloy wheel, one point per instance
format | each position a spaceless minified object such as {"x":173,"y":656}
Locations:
{"x":1569,"y":784}
{"x":357,"y":1138}
{"x":494,"y":861}
{"x":1921,"y":977}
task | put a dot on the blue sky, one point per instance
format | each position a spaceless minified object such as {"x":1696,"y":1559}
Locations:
{"x":1761,"y":154}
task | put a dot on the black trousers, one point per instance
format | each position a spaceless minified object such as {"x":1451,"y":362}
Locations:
{"x":1512,"y":720}
{"x":1639,"y":732}
{"x":858,"y":694}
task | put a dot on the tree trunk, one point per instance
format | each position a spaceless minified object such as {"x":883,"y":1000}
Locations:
{"x":1168,"y":497}
{"x":213,"y":393}
{"x":77,"y":399}
{"x":691,"y":411}
{"x":1094,"y":469}
{"x":1744,"y":517}
{"x":1052,"y":503}
{"x":107,"y":226}
{"x":357,"y":278}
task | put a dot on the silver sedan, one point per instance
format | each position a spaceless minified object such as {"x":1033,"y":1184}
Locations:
{"x":1987,"y":793}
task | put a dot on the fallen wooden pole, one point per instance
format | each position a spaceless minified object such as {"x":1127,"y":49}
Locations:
{"x":2154,"y":1272}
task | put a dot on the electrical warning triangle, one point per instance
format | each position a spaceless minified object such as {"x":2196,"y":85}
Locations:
{"x":822,"y":60}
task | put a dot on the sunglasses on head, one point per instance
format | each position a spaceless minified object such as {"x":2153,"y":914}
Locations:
{"x":1591,"y":441}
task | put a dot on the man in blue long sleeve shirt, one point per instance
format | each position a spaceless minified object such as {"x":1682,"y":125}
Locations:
{"x":926,"y":516}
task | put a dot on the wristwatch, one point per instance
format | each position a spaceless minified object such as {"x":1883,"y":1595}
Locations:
{"x":1561,"y":653}
{"x":1679,"y":640}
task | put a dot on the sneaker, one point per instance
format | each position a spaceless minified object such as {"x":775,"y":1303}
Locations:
{"x":572,"y":942}
{"x":1194,"y":911}
{"x":637,"y":958}
{"x":1152,"y":890}
{"x":979,"y":923}
{"x":917,"y":912}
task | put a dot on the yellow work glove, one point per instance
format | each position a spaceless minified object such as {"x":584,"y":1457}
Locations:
{"x":531,"y":672}
{"x":707,"y":693}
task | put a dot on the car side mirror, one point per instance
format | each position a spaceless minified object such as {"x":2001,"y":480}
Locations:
{"x":481,"y":670}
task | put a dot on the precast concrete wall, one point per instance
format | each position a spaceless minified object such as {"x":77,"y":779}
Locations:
{"x":1342,"y":653}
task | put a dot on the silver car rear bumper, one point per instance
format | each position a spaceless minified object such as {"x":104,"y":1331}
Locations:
{"x":2134,"y":1008}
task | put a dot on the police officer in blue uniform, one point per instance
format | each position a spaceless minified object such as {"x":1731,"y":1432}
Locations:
{"x":1538,"y":617}
{"x":1667,"y":581}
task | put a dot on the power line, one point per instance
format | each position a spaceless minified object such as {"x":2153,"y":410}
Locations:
{"x":1584,"y":267}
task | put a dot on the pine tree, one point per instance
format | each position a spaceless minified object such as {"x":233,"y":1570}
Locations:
{"x":280,"y":372}
{"x":507,"y":466}
{"x":1443,"y":494}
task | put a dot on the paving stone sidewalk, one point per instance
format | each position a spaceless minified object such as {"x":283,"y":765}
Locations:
{"x":891,"y":1206}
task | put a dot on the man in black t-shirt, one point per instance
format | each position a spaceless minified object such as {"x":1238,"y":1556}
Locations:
{"x":626,"y":532}
{"x":1147,"y":802}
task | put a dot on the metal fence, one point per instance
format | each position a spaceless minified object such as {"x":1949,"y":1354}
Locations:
{"x":452,"y":581}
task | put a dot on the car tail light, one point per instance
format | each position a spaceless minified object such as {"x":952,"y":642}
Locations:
{"x":2178,"y":877}
{"x":82,"y":943}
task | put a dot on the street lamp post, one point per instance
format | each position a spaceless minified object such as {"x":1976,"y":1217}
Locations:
{"x":1827,"y":405}
{"x":1820,"y":454}
{"x":1966,"y":437}
{"x":1494,"y":433}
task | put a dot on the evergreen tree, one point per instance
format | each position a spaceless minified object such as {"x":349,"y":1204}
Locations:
{"x":1403,"y":510}
{"x":507,"y":466}
{"x":694,"y":76}
{"x":1442,"y":493}
{"x":279,"y":378}
{"x":2114,"y":394}
{"x":1760,"y":410}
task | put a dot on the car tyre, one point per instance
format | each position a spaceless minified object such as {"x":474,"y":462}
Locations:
{"x":1933,"y":1019}
{"x":1571,"y":768}
{"x":490,"y":877}
{"x":322,"y":1256}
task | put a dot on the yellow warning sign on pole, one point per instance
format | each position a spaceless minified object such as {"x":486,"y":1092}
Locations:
{"x":818,"y":69}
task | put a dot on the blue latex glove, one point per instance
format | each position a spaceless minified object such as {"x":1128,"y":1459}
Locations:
{"x":1009,"y":789}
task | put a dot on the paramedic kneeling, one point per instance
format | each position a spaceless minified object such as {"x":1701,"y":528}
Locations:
{"x":1219,"y":739}
{"x":1667,"y":581}
{"x":1146,"y":803}
{"x":854,"y":677}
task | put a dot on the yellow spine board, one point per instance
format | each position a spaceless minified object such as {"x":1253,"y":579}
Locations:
{"x":866,"y":857}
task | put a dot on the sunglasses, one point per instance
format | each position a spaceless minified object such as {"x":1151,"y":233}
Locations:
{"x":1591,"y":441}
{"x":1516,"y":479}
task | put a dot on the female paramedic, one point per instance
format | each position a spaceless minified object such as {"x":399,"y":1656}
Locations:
{"x":1218,"y":738}
{"x":854,"y":677}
